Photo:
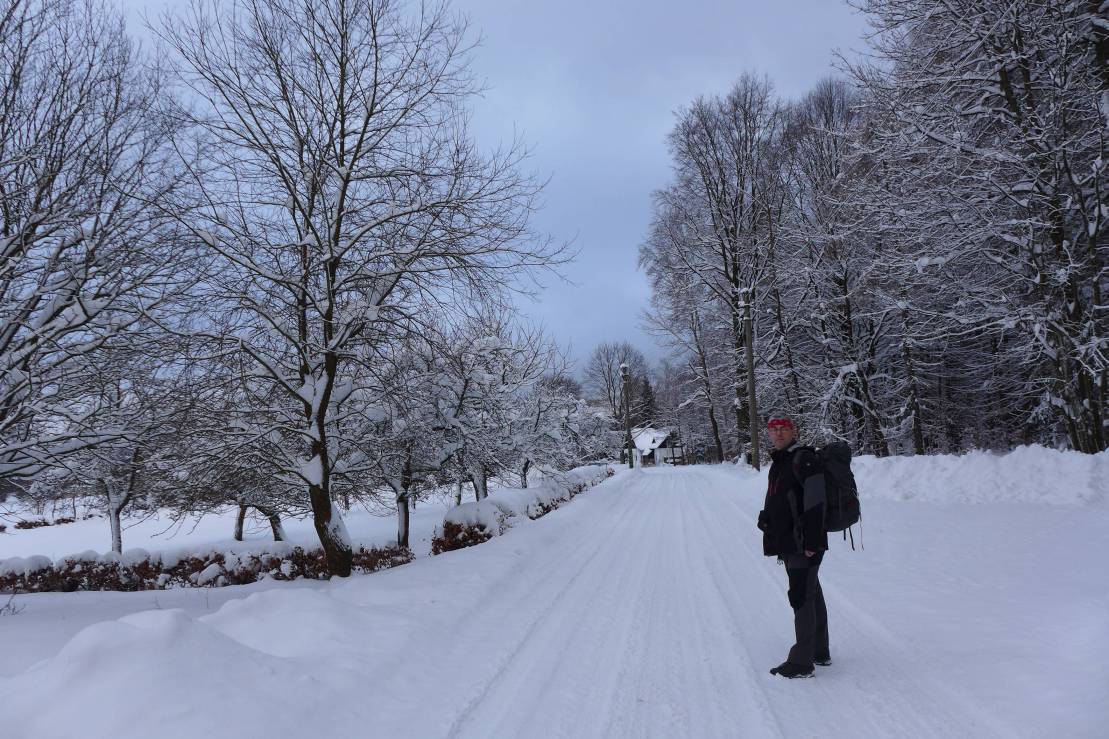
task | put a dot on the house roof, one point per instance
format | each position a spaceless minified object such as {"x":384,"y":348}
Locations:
{"x":648,"y":439}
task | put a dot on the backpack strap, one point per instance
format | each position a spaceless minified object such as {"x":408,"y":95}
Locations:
{"x":850,"y":529}
{"x":797,"y":462}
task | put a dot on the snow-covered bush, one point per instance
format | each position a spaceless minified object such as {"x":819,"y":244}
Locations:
{"x":137,"y":569}
{"x":32,"y":523}
{"x":478,"y":521}
{"x":37,"y":523}
{"x":458,"y":536}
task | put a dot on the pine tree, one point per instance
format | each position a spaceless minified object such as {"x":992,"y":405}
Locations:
{"x":646,"y":405}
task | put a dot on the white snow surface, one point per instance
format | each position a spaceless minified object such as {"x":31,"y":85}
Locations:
{"x":642,"y":609}
{"x":170,"y":542}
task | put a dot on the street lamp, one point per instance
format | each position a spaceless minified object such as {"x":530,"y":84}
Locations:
{"x":627,"y":412}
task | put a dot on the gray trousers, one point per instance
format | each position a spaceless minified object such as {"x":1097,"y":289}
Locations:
{"x":810,"y":616}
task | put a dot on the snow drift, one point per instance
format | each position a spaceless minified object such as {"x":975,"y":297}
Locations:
{"x":1027,"y":474}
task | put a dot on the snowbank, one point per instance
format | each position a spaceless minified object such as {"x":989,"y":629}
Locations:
{"x":1028,"y":474}
{"x":151,"y":657}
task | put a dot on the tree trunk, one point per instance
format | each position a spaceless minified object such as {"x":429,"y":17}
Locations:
{"x":332,"y":532}
{"x":480,"y":480}
{"x":707,"y":382}
{"x":954,"y":436}
{"x":403,"y":515}
{"x":716,"y":434}
{"x":458,"y":493}
{"x":794,"y":375}
{"x":240,"y":519}
{"x":524,"y":473}
{"x":275,"y":522}
{"x":913,"y":404}
{"x":741,"y":420}
{"x":876,"y":438}
{"x":117,"y":530}
{"x":117,"y":503}
{"x":752,"y":403}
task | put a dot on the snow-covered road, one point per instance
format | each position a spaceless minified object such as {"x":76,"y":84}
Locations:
{"x":661,"y":618}
{"x":643,"y":609}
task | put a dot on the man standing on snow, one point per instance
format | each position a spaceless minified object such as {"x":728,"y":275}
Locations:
{"x":792,"y":522}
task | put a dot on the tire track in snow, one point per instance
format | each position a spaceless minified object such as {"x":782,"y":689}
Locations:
{"x":727,"y":620}
{"x":563,"y":681}
{"x":648,"y":709}
{"x":636,"y":661}
{"x":683,"y":679}
{"x":565,"y":556}
{"x":630,"y":658}
{"x":583,"y":668}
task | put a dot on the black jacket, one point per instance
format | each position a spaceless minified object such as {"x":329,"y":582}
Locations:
{"x":792,"y":518}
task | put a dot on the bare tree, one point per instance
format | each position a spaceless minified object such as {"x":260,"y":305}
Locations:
{"x":717,"y":218}
{"x":84,"y":254}
{"x":340,"y":192}
{"x":677,"y":317}
{"x":143,"y":398}
{"x":602,"y":371}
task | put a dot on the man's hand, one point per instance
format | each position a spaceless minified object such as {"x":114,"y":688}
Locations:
{"x":764,"y":520}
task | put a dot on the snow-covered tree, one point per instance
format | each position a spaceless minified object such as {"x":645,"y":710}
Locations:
{"x":825,"y":272}
{"x":493,"y":368}
{"x":925,"y":247}
{"x":143,"y":404}
{"x":341,"y":192}
{"x":989,"y":119}
{"x":86,"y":250}
{"x":717,"y":218}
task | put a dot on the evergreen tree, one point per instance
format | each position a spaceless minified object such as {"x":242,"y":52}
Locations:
{"x":646,"y":405}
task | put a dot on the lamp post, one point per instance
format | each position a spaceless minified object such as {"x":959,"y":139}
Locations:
{"x":627,"y":412}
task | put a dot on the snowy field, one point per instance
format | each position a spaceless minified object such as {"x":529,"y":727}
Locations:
{"x":213,"y":532}
{"x":644,"y":608}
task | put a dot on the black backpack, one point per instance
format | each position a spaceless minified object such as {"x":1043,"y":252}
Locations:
{"x":841,"y":510}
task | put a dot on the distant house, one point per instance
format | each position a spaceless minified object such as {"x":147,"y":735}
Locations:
{"x":656,"y":446}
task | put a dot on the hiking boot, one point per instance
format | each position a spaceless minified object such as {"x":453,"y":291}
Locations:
{"x":823,"y":661}
{"x":791,"y":670}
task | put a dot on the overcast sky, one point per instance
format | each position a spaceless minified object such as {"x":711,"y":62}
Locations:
{"x":592,"y":86}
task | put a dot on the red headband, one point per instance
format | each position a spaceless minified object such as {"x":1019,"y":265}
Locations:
{"x":780,"y":423}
